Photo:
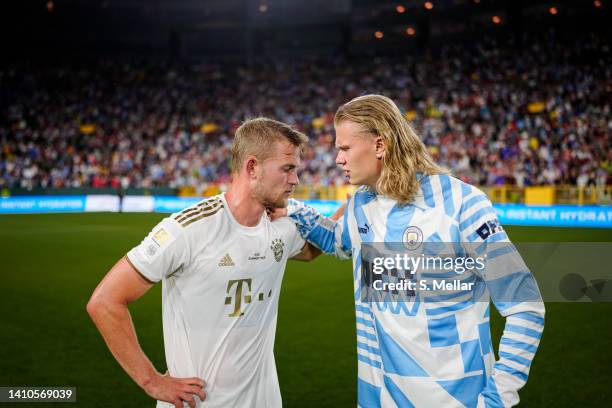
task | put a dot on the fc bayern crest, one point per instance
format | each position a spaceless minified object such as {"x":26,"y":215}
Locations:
{"x":412,"y":238}
{"x":277,"y":248}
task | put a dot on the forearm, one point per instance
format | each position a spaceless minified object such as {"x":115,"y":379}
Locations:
{"x":309,"y":252}
{"x":515,"y":293}
{"x":323,"y":235}
{"x":313,"y":227}
{"x":115,"y":324}
{"x":517,"y":349}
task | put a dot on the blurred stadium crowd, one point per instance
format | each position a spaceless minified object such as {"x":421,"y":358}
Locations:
{"x":506,"y":111}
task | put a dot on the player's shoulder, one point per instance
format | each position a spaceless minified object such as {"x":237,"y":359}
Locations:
{"x":470,"y":194}
{"x":284,"y":225}
{"x":363,"y":195}
{"x":440,"y":182}
{"x":362,"y":190}
{"x":447,"y":184}
{"x":203,"y":213}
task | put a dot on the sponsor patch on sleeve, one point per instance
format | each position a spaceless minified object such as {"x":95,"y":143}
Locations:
{"x":156,"y":243}
{"x":489,"y":228}
{"x":162,"y":237}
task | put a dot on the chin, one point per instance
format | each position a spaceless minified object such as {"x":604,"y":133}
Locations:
{"x":278,"y":203}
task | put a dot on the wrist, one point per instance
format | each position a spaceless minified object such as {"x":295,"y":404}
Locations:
{"x":148,"y":378}
{"x":293,"y":206}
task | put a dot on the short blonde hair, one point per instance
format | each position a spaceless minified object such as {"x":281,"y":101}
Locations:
{"x":404,"y":155}
{"x":256,"y":136}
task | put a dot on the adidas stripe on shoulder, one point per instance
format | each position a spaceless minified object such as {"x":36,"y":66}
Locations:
{"x":200,"y":211}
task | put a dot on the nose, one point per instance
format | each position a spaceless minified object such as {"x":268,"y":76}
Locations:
{"x":340,"y":159}
{"x":293,"y":178}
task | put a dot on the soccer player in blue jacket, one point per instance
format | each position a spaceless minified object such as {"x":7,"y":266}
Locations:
{"x":431,"y":351}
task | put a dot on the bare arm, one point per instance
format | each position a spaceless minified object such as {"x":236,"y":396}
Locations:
{"x":308,"y":253}
{"x":108,"y":308}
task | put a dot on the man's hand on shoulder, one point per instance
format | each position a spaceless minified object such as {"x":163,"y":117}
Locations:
{"x":276,"y":213}
{"x":175,"y":390}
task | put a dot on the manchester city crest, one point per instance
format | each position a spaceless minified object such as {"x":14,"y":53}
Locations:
{"x":412,"y":238}
{"x":277,"y":248}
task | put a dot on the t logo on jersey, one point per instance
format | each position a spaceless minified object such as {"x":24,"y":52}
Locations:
{"x":238,"y":295}
{"x":489,"y":228}
{"x":239,"y":298}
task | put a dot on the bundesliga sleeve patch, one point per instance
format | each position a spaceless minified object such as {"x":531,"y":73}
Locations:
{"x":154,"y":244}
{"x":161,"y":236}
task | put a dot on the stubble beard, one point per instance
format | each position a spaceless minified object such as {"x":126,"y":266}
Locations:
{"x":266,"y":199}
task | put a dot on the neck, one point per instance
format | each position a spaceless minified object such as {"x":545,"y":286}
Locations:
{"x":372,"y":183}
{"x":243,"y":206}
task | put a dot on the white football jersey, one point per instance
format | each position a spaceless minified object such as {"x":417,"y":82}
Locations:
{"x":221,"y":283}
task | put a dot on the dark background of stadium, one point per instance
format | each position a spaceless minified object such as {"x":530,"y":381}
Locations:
{"x":51,"y":263}
{"x":186,"y":29}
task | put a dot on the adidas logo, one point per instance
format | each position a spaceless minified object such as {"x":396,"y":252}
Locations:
{"x":226,"y":261}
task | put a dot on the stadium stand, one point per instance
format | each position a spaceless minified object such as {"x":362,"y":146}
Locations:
{"x":509,"y":111}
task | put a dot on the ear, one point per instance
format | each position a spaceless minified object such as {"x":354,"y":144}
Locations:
{"x":379,"y":146}
{"x":251,"y":166}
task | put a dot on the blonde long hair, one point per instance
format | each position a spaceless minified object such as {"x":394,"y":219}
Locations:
{"x":404,"y":155}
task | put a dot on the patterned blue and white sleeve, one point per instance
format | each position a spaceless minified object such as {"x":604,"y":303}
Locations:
{"x":328,"y":235}
{"x":515,"y":294}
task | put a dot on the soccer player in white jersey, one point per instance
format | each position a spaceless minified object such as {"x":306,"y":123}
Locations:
{"x":221,"y":263}
{"x":431,"y":352}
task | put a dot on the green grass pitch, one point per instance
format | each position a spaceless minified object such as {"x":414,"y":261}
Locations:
{"x":50,"y":264}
